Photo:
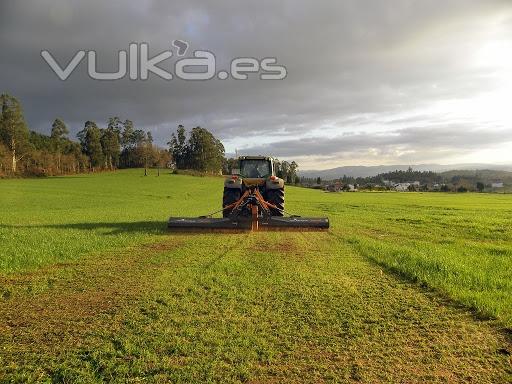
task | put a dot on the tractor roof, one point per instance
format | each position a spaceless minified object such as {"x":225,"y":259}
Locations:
{"x":255,"y":158}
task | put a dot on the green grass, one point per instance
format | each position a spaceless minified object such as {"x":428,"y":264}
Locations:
{"x":459,"y":244}
{"x":94,"y":289}
{"x":58,"y":219}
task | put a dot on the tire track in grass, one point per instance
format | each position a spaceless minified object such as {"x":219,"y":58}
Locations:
{"x":360,"y":325}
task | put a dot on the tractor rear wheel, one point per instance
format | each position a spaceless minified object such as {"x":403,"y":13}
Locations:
{"x":276,"y":197}
{"x":230,"y":196}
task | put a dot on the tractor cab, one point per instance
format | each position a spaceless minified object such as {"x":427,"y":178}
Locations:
{"x":255,"y":170}
{"x":260,"y":168}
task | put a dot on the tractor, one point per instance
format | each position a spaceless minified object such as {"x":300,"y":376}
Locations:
{"x":253,"y":199}
{"x":254,"y":172}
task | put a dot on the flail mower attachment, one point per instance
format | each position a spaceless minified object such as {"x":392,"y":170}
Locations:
{"x":250,"y":212}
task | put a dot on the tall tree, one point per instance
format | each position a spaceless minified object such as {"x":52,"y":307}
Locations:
{"x":206,"y":151}
{"x":292,"y":176}
{"x":90,"y":139}
{"x":59,"y":136}
{"x":13,"y":130}
{"x":59,"y":129}
{"x":139,"y":137}
{"x":147,"y":151}
{"x":178,"y":147}
{"x":284,"y":170}
{"x":127,"y":139}
{"x":115,"y":124}
{"x":127,"y":144}
{"x":110,"y":142}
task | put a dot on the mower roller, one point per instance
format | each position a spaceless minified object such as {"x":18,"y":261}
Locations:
{"x":253,"y":200}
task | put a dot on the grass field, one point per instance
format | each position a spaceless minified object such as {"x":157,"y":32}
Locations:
{"x":405,"y":287}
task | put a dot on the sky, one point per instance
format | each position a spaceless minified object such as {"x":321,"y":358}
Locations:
{"x":368,"y":82}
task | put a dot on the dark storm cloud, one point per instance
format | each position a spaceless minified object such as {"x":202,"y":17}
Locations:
{"x":345,"y":59}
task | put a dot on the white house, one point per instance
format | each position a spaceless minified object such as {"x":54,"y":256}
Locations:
{"x":401,"y":187}
{"x":497,"y":184}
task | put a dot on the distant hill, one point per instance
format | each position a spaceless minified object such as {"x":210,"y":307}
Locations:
{"x":483,"y":175}
{"x":369,"y":171}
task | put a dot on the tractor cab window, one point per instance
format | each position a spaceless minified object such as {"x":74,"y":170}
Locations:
{"x":255,"y":168}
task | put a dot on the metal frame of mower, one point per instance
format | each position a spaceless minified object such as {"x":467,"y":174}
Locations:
{"x":260,"y":217}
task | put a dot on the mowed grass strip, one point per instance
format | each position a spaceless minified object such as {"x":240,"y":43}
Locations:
{"x":265,"y":307}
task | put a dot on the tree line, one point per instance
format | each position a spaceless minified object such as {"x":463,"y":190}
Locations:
{"x":117,"y":145}
{"x":448,"y":181}
{"x":397,"y":176}
{"x":120,"y":145}
{"x":28,"y":153}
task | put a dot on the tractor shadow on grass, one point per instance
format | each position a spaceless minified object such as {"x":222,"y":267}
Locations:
{"x":106,"y":228}
{"x":116,"y":228}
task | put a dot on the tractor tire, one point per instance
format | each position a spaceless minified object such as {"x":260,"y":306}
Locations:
{"x":230,"y":196}
{"x":276,"y":197}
